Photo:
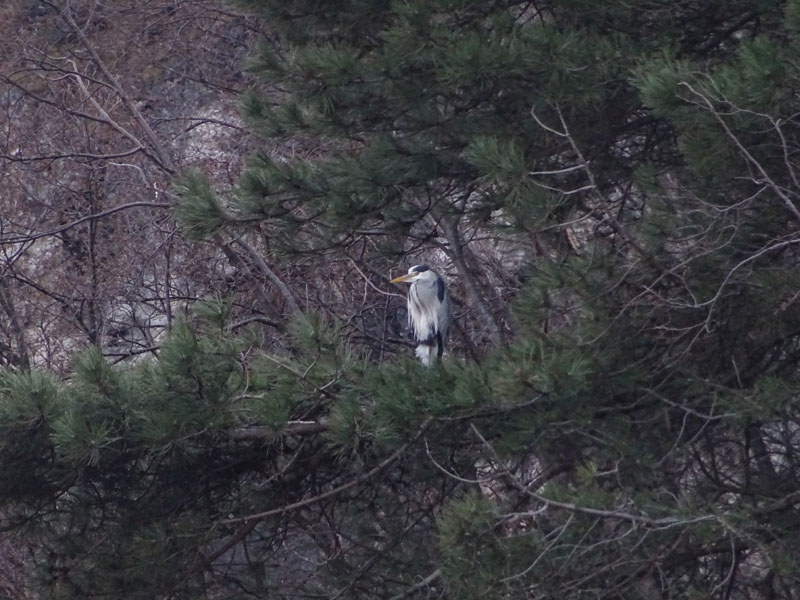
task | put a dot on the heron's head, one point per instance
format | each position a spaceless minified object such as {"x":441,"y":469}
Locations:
{"x":415,"y":273}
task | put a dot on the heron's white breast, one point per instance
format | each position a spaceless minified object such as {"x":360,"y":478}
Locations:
{"x":422,"y":313}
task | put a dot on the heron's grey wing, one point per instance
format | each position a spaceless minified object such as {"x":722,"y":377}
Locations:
{"x":444,"y":316}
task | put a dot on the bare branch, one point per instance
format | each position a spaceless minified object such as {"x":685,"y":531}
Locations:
{"x":163,"y":158}
{"x":21,"y":238}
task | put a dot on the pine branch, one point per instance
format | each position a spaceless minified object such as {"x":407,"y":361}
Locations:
{"x":337,"y":490}
{"x":662,"y":522}
{"x":778,"y":190}
{"x":261,"y":432}
{"x":274,"y":314}
{"x":269,"y":274}
{"x":418,"y":586}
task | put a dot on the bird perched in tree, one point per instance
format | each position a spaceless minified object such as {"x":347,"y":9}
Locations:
{"x":428,"y":311}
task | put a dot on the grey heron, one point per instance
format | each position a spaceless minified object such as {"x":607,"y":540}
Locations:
{"x":428,"y":311}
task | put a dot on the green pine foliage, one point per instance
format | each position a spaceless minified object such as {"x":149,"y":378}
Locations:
{"x":637,"y":436}
{"x":199,"y":209}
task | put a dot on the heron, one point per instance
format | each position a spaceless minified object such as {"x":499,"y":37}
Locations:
{"x":428,"y":311}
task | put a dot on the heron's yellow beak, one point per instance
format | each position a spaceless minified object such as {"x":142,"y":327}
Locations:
{"x":402,"y":278}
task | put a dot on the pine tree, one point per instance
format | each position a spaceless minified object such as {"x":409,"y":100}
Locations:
{"x":634,"y":436}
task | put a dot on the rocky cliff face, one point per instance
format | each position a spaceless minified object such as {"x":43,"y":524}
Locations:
{"x":102,"y":104}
